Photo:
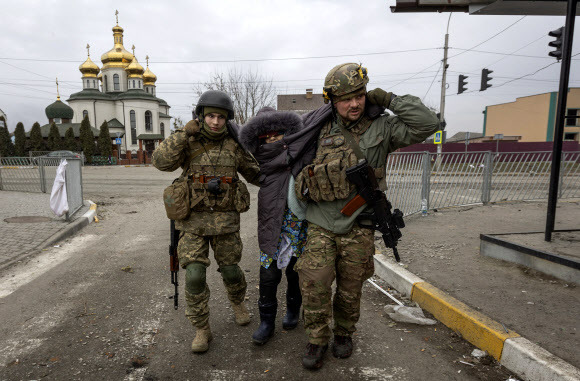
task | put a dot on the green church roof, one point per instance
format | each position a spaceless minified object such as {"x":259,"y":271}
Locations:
{"x":59,"y":110}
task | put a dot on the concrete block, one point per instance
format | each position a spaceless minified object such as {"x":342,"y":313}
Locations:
{"x":402,"y":280}
{"x":534,"y":363}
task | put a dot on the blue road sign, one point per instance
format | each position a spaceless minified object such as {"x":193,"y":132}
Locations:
{"x":118,"y":141}
{"x":438,"y":137}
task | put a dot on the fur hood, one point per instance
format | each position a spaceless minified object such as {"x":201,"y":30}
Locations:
{"x":268,"y":120}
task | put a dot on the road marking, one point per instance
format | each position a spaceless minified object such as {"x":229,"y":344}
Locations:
{"x":25,"y":273}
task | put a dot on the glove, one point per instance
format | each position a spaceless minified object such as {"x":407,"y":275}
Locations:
{"x":192,"y":127}
{"x":380,"y":97}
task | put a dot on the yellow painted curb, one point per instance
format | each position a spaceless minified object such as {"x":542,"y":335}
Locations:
{"x":93,"y":207}
{"x":478,"y":329}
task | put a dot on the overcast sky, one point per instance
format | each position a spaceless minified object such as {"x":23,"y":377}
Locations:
{"x":288,"y":41}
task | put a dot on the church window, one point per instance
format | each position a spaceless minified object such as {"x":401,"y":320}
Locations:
{"x":148,"y":124}
{"x":94,"y":84}
{"x":85,"y":114}
{"x":57,"y":120}
{"x":106,"y":83}
{"x":133,"y":83}
{"x":147,"y":89}
{"x":133,"y":127}
{"x":162,"y":128}
{"x":139,"y":84}
{"x":116,"y":85}
{"x":88,"y":83}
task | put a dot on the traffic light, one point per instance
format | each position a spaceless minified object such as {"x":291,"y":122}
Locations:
{"x":557,"y":43}
{"x":462,"y":84}
{"x":485,"y":78}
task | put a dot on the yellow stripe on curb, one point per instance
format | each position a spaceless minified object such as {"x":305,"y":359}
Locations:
{"x":475,"y":327}
{"x":93,"y":207}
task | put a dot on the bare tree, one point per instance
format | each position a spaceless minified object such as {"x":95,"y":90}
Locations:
{"x":177,"y":123}
{"x":249,"y":90}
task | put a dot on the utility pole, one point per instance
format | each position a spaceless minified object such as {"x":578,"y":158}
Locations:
{"x":560,"y":116}
{"x":443,"y":88}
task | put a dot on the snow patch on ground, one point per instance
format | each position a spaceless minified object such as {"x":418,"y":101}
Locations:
{"x":25,"y":273}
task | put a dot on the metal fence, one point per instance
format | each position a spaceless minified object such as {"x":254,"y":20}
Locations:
{"x":37,"y":174}
{"x":418,"y":180}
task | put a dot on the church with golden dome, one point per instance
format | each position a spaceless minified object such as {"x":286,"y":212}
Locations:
{"x":123,"y":93}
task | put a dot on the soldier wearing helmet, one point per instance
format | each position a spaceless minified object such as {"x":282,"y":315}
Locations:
{"x":337,"y":247}
{"x":210,"y":156}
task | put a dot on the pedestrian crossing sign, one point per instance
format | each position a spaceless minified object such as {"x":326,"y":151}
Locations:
{"x":438,"y":137}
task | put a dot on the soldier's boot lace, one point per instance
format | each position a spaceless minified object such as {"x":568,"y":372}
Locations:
{"x":313,"y":358}
{"x":241,"y":314}
{"x":200,"y":343}
{"x":342,"y":347}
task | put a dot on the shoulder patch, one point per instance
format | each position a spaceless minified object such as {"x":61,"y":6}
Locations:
{"x":327,"y":142}
{"x":338,"y":140}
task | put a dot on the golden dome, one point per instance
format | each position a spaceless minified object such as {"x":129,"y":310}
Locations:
{"x":89,"y":68}
{"x":149,"y":78}
{"x":118,"y":56}
{"x":134,"y":70}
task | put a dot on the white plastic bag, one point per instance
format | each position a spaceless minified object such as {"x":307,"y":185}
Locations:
{"x":58,"y":201}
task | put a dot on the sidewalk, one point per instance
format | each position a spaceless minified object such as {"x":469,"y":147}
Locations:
{"x":472,"y":293}
{"x":27,"y":224}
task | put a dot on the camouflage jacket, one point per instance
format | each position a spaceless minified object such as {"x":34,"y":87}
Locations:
{"x":413,"y":123}
{"x":210,"y":214}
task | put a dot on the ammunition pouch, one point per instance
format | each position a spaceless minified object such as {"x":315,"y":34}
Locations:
{"x":225,"y":195}
{"x":176,"y":199}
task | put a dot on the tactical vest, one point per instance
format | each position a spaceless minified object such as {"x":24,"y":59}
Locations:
{"x":210,"y":159}
{"x":325,"y":179}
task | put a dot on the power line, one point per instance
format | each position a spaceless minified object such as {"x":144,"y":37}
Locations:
{"x":495,"y":35}
{"x":434,"y":77}
{"x":241,"y":60}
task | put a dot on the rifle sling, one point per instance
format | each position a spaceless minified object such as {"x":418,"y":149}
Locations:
{"x":351,"y":142}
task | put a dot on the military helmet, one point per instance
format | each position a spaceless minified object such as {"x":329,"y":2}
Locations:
{"x":344,"y":79}
{"x":215,"y":98}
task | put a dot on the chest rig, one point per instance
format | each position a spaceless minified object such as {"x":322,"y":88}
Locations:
{"x":325,"y":179}
{"x":213,"y":176}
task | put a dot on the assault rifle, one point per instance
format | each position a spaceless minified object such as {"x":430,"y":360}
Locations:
{"x":389,"y":224}
{"x":174,"y":260}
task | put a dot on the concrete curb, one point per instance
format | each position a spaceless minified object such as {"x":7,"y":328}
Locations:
{"x":62,"y":234}
{"x":516,"y":353}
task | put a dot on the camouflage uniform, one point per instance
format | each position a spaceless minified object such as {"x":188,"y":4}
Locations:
{"x":337,"y":247}
{"x":214,"y":219}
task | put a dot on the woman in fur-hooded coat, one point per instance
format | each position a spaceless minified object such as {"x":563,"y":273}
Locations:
{"x":283,"y":143}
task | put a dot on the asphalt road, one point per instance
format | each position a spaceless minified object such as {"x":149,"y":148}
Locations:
{"x":98,"y":307}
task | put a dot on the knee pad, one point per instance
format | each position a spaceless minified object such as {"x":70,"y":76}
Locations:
{"x":231,"y":274}
{"x":195,"y":278}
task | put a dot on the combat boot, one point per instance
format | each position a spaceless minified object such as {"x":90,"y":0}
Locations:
{"x":313,"y":357}
{"x":342,"y":347}
{"x":241,"y":314}
{"x":200,"y":343}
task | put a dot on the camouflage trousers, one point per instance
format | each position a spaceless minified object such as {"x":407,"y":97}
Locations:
{"x":348,"y":258}
{"x":227,"y":249}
